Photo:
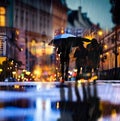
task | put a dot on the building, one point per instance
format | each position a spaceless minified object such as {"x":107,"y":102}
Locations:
{"x":78,"y":21}
{"x":32,"y":22}
{"x":110,"y":64}
{"x":8,"y":44}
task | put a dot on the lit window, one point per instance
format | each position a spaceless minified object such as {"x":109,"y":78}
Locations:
{"x":2,"y":16}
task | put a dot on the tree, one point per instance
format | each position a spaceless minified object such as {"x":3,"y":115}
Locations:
{"x":115,"y":10}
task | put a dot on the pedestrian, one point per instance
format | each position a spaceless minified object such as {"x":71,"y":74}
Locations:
{"x":64,"y":51}
{"x":94,"y":51}
{"x":81,"y":57}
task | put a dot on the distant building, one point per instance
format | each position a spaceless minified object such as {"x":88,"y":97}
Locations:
{"x":78,"y":19}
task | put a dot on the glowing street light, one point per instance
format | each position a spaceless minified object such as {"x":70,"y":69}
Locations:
{"x":100,"y":32}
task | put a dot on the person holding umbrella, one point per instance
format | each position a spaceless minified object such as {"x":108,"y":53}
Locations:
{"x":64,"y":50}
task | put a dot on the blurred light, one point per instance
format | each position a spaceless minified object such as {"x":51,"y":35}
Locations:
{"x":100,"y":32}
{"x":1,"y":70}
{"x":107,"y":53}
{"x":81,"y":81}
{"x":39,"y":87}
{"x":57,"y":105}
{"x":2,"y":16}
{"x":2,"y":10}
{"x":113,"y":113}
{"x":93,"y":78}
{"x":2,"y":59}
{"x":16,"y":86}
{"x":21,"y":49}
{"x":14,"y":72}
{"x":101,"y":56}
{"x":89,"y":37}
{"x":24,"y":70}
{"x":37,"y":71}
{"x":17,"y":32}
{"x":27,"y":72}
{"x":62,"y":31}
{"x":75,"y":70}
{"x":105,"y":46}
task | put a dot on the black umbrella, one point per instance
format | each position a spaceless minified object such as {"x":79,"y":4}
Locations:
{"x":76,"y":41}
{"x":59,"y":38}
{"x":72,"y":41}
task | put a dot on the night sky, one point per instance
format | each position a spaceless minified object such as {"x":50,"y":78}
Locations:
{"x":98,"y":11}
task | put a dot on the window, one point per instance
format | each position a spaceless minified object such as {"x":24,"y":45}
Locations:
{"x":2,"y":16}
{"x":1,"y":47}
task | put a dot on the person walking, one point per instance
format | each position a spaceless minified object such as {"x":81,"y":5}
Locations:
{"x":81,"y":58}
{"x":64,"y":51}
{"x":94,"y":51}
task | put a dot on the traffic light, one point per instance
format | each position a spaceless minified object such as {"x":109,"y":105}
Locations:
{"x":115,"y":10}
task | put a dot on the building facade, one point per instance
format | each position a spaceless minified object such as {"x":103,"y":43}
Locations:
{"x":111,"y":53}
{"x":33,"y":24}
{"x":78,"y":20}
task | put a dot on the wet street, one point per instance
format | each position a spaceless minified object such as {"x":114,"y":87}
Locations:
{"x":32,"y":101}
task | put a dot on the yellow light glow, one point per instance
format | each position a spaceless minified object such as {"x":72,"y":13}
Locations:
{"x":27,"y":72}
{"x":2,"y":20}
{"x":107,"y":53}
{"x":114,"y":113}
{"x":100,"y":32}
{"x":2,"y":10}
{"x":62,"y":31}
{"x":14,"y":72}
{"x":2,"y":59}
{"x":24,"y":70}
{"x":17,"y":32}
{"x":37,"y":49}
{"x":33,"y":42}
{"x":37,"y":71}
{"x":93,"y":78}
{"x":1,"y":70}
{"x":16,"y":86}
{"x":2,"y":16}
{"x":105,"y":46}
{"x":90,"y":37}
{"x":81,"y":81}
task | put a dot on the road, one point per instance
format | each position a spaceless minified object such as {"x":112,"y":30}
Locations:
{"x":37,"y":101}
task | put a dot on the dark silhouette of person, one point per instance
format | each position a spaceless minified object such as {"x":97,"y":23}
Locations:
{"x":94,"y":51}
{"x":64,"y":51}
{"x":81,"y":57}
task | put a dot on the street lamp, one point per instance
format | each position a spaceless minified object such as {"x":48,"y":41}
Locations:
{"x":100,"y":32}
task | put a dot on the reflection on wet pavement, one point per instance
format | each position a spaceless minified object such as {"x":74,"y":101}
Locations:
{"x":97,"y":101}
{"x":85,"y":108}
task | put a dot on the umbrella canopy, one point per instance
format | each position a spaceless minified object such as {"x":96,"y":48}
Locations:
{"x":66,"y":35}
{"x":76,"y":41}
{"x":70,"y":39}
{"x":61,"y":37}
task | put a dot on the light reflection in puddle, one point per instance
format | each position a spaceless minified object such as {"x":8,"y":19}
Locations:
{"x":61,"y":104}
